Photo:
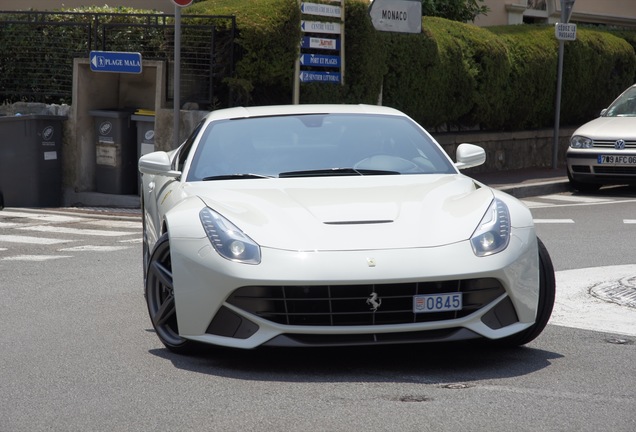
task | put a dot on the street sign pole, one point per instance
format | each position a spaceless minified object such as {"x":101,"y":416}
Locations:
{"x":176,"y":84}
{"x":177,"y":74}
{"x":566,"y":12}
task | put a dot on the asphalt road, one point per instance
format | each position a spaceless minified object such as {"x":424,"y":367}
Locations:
{"x":79,"y":353}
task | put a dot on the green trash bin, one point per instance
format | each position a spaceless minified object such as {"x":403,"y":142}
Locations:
{"x":31,"y":160}
{"x":115,"y":152}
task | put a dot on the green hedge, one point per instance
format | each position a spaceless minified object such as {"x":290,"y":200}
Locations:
{"x":451,"y":76}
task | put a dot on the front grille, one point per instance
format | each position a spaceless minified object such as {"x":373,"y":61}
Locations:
{"x":601,"y":169}
{"x":609,"y":144}
{"x":346,"y":305}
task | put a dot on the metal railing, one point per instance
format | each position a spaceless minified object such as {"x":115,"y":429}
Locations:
{"x":37,"y":51}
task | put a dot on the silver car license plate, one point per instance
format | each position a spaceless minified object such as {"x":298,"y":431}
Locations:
{"x":427,"y":303}
{"x":617,"y":159}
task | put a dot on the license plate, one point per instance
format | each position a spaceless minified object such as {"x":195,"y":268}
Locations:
{"x":437,"y":302}
{"x":616,"y":159}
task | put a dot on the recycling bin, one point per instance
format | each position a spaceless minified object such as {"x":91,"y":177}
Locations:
{"x":145,"y":132}
{"x":115,"y":152}
{"x":30,"y":160}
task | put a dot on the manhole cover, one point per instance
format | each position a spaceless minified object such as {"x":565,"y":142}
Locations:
{"x":622,"y":291}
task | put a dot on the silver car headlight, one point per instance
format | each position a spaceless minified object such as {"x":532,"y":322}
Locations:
{"x":229,"y":241}
{"x":578,"y":141}
{"x":493,"y":232}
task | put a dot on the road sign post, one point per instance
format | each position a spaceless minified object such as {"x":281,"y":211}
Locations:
{"x":566,"y":13}
{"x":178,"y":4}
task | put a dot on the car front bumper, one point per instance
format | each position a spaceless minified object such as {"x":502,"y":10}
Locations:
{"x":204,"y":283}
{"x":584,"y":166}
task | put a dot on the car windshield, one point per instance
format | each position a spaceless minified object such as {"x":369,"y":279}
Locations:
{"x":315,"y":145}
{"x":624,"y":105}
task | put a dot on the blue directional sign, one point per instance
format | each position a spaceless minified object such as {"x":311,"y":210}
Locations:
{"x":324,"y":77}
{"x":320,"y":60}
{"x":118,"y":62}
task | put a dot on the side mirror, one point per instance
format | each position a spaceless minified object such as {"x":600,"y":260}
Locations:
{"x":469,"y":155}
{"x":157,"y":163}
{"x":603,"y":111}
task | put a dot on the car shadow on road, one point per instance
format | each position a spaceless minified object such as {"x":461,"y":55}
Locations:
{"x":424,"y":363}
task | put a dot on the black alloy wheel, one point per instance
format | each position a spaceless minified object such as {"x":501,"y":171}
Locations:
{"x":160,"y":298}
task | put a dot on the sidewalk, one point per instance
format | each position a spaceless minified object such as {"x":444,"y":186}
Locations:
{"x":526,"y":182}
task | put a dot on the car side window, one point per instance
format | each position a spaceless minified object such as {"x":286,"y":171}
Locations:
{"x":182,"y":154}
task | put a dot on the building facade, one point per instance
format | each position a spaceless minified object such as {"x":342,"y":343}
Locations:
{"x":609,"y":12}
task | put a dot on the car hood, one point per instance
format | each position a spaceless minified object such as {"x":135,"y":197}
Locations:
{"x":350,"y":213}
{"x":609,"y":128}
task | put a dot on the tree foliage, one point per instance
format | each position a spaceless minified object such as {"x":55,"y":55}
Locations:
{"x":455,"y":10}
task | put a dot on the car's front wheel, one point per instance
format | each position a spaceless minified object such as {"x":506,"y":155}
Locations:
{"x":159,"y":292}
{"x":547,"y":292}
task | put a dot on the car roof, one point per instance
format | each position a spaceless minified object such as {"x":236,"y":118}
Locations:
{"x":273,"y":110}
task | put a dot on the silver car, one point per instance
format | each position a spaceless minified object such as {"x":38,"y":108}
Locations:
{"x":603,"y":151}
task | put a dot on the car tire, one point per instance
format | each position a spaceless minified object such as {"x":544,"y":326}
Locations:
{"x":159,"y":291}
{"x":547,"y":292}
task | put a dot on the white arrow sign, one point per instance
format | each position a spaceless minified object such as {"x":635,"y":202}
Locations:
{"x":400,"y":16}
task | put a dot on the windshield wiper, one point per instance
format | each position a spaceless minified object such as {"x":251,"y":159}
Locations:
{"x":336,"y":172}
{"x":236,"y":176}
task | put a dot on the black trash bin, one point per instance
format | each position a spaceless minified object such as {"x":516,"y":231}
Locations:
{"x":115,"y":152}
{"x":145,"y":121}
{"x":31,"y":161}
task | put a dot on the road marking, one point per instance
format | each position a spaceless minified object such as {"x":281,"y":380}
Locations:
{"x":629,"y":221}
{"x":116,"y":224}
{"x":31,"y":240}
{"x":535,"y":204}
{"x":553,"y":221}
{"x":41,"y":217}
{"x":34,"y":258}
{"x":136,"y":240}
{"x":91,"y":248}
{"x":76,"y":231}
{"x":576,"y":307}
{"x":576,"y":199}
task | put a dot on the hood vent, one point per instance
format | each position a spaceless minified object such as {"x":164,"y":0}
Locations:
{"x":364,"y":222}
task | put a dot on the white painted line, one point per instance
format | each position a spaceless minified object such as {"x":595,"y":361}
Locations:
{"x":34,"y":258}
{"x":8,"y":224}
{"x":41,"y":217}
{"x":137,"y":240}
{"x":576,"y":307}
{"x":115,"y":224}
{"x":89,"y":248}
{"x":629,"y":221}
{"x":31,"y":240}
{"x":535,"y":204}
{"x":576,"y":199}
{"x":553,"y":221}
{"x":76,"y":231}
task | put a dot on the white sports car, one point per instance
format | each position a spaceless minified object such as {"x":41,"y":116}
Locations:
{"x":324,"y":225}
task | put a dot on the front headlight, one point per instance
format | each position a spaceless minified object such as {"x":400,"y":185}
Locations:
{"x":493,"y":232}
{"x":581,"y":142}
{"x":229,"y":241}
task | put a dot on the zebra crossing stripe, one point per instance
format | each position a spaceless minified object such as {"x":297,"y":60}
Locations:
{"x":34,"y":258}
{"x":75,"y":231}
{"x":31,"y":240}
{"x":575,"y":199}
{"x":629,"y":221}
